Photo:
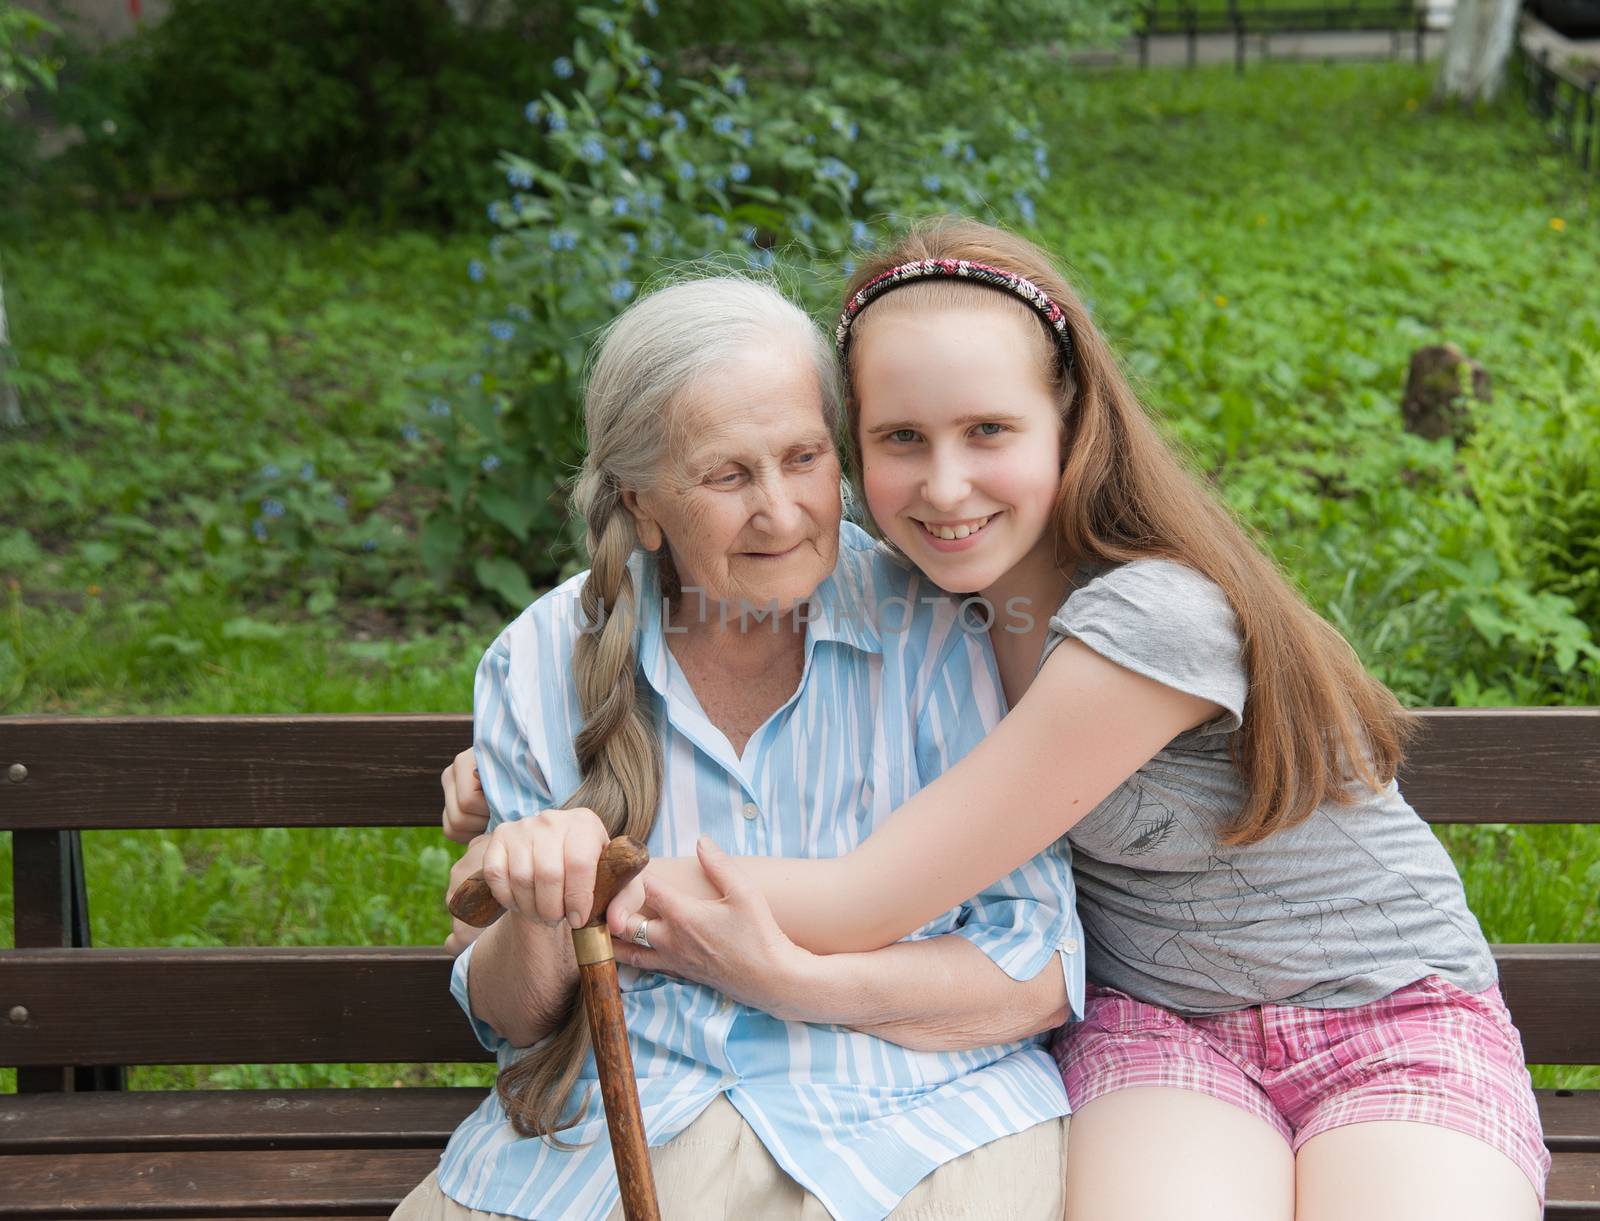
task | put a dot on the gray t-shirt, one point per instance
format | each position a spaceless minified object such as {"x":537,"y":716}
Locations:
{"x":1333,"y":912}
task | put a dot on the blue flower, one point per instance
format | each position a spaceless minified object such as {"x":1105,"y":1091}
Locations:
{"x":1040,"y":155}
{"x":520,"y":313}
{"x":474,"y":271}
{"x":853,"y":131}
{"x":520,"y":177}
{"x":849,"y":267}
{"x":622,"y":290}
{"x":654,"y":110}
{"x":722,"y":125}
{"x":1044,"y":173}
{"x":735,"y":86}
{"x":494,"y":212}
{"x":490,"y":462}
{"x":968,"y":153}
{"x":1022,"y":133}
{"x":749,"y":234}
{"x":859,"y":233}
{"x":411,"y":432}
{"x":563,"y":239}
{"x":502,"y":330}
{"x":259,"y":529}
{"x":438,"y":407}
{"x":607,"y":26}
{"x":654,"y":77}
{"x":624,"y":262}
{"x":562,"y":67}
{"x":805,"y":221}
{"x":651,"y":7}
{"x":619,"y":206}
{"x":646,"y":150}
{"x":475,"y":380}
{"x":592,"y":151}
{"x":950,"y":148}
{"x":631,"y":242}
{"x":533,"y":111}
{"x":719,"y":183}
{"x":644,"y":59}
{"x":739,"y":172}
{"x":716,"y":222}
{"x":1025,"y":207}
{"x":558,"y":122}
{"x":832,"y":167}
{"x":269,"y":471}
{"x":686,"y":170}
{"x":369,"y":544}
{"x":761,"y":258}
{"x":679,"y":121}
{"x":339,"y":502}
{"x":932,"y":183}
{"x":272,"y":507}
{"x":307,"y":472}
{"x":653,"y":201}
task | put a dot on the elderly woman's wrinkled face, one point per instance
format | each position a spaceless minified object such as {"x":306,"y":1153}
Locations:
{"x":748,"y":502}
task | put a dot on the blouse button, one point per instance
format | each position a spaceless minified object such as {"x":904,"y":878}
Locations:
{"x":750,"y":810}
{"x":1070,"y":945}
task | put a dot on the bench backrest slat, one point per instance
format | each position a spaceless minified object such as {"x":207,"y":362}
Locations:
{"x":263,"y":1005}
{"x":275,"y":1005}
{"x":1469,"y":765}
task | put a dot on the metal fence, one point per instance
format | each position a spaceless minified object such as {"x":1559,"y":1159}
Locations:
{"x":1244,"y":19}
{"x":1564,"y":101}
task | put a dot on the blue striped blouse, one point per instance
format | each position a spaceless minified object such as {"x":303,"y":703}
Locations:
{"x":893,"y":691}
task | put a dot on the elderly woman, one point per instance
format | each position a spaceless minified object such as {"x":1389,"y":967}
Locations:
{"x":739,"y":665}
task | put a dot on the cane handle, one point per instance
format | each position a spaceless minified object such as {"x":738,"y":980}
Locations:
{"x":474,"y":903}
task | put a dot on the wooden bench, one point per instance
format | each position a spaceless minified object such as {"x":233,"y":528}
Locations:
{"x":72,"y":1144}
{"x":1244,"y":19}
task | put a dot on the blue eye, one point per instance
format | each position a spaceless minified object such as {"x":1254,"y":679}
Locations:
{"x":805,"y":459}
{"x":903,"y":436}
{"x":990,"y":429}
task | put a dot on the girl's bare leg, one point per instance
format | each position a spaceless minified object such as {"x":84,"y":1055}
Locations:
{"x":1152,"y":1153}
{"x":1365,"y":1171}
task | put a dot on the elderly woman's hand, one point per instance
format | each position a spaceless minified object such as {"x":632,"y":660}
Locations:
{"x":543,"y":867}
{"x":466,"y":809}
{"x":731,"y":943}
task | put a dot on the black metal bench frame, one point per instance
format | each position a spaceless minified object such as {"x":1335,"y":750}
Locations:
{"x":73,"y":1144}
{"x":1249,"y":18}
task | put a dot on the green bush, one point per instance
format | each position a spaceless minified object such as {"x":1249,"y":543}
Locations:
{"x":390,"y":106}
{"x":629,"y":174}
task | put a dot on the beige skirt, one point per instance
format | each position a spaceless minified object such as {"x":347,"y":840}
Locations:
{"x":1016,"y":1178}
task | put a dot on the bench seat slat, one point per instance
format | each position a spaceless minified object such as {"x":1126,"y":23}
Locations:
{"x":1573,"y":1192}
{"x":418,"y":1117}
{"x":261,"y":1182}
{"x":282,"y":1005}
{"x":370,"y":1183}
{"x":1527,"y":765}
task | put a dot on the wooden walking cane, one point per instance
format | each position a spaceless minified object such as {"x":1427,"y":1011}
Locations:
{"x":622,"y":859}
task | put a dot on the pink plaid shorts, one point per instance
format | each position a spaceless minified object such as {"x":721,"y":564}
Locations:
{"x":1430,"y":1052}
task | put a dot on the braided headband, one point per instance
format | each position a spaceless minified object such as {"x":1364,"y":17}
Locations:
{"x":1023,"y":289}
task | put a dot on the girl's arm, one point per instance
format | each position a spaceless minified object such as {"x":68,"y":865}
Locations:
{"x":1085,"y":725}
{"x":934,"y":994}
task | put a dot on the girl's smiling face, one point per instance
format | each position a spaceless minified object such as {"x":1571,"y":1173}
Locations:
{"x":960,"y":437}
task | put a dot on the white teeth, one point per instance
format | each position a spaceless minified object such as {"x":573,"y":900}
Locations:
{"x":951,"y":533}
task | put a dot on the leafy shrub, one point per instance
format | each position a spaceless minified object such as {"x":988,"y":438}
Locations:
{"x":392,"y":106}
{"x":630,"y":174}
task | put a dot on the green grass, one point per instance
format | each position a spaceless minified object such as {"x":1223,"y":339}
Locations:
{"x":1265,"y":251}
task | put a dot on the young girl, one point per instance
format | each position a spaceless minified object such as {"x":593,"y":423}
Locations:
{"x":1293,"y":1011}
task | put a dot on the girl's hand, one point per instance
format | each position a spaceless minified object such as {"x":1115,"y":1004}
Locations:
{"x":463,"y":934}
{"x":466,"y":809}
{"x":731,"y":943}
{"x":543,"y":868}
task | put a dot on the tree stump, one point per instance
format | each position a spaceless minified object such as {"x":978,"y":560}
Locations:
{"x":1436,"y":405}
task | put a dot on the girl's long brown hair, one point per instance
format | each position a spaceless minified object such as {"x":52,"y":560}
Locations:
{"x":1316,"y":722}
